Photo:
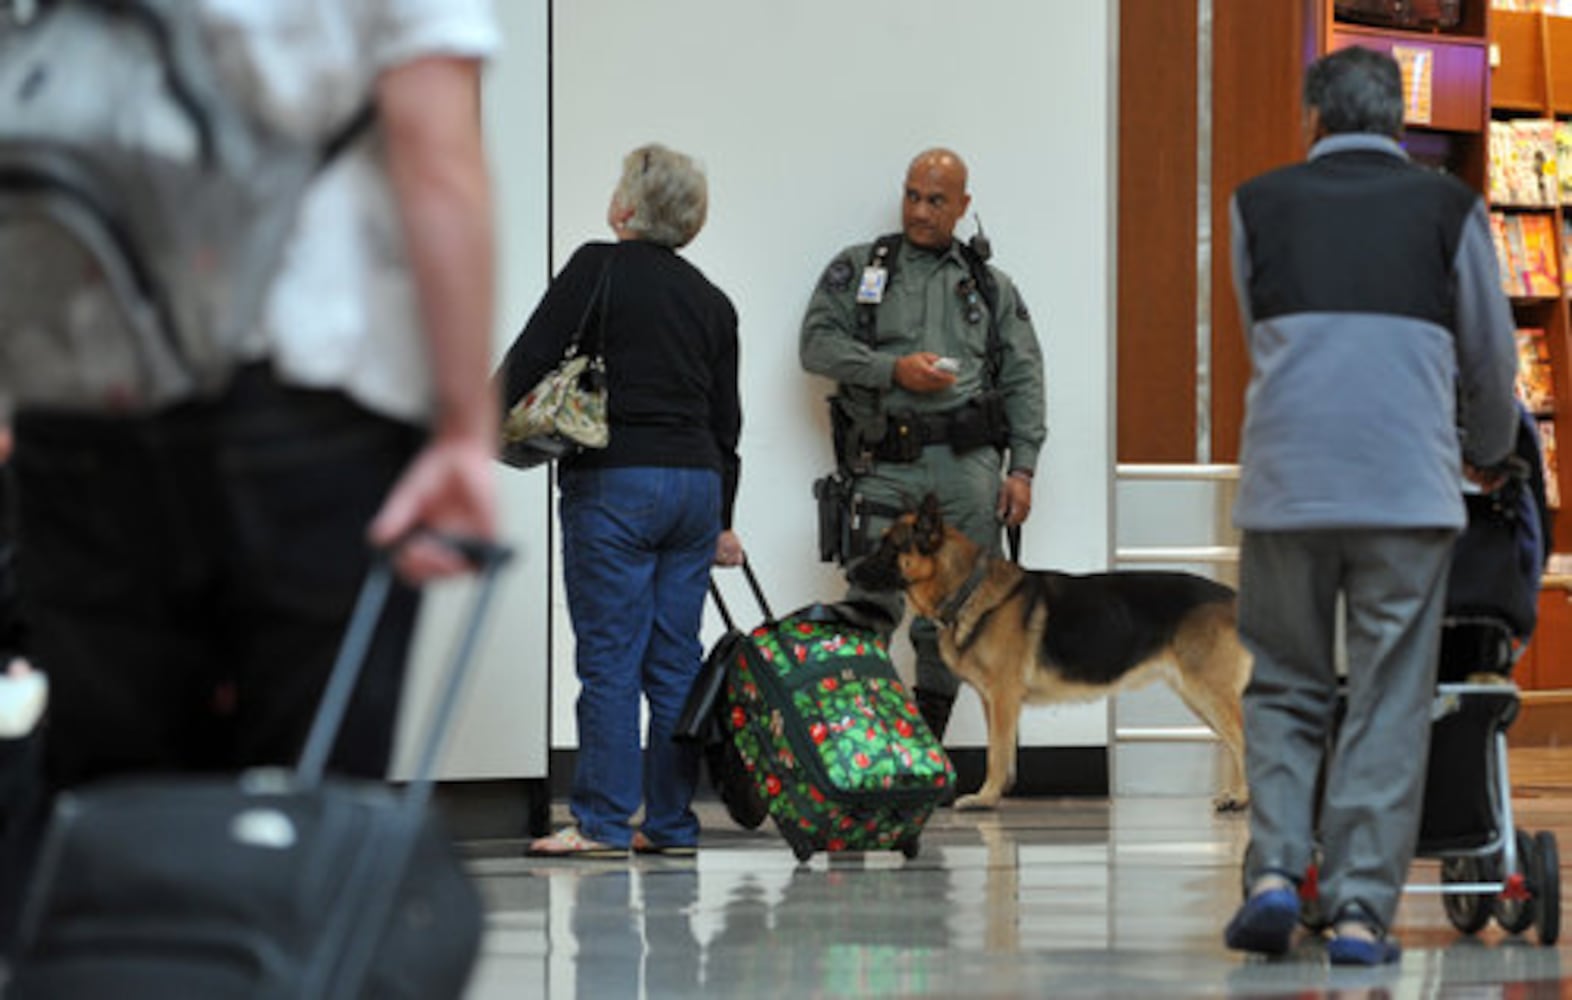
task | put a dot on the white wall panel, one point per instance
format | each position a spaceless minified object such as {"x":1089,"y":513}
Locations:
{"x":806,"y":115}
{"x":501,"y":730}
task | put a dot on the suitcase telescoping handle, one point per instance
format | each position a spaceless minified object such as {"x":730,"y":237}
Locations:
{"x":753,"y":585}
{"x":488,"y":559}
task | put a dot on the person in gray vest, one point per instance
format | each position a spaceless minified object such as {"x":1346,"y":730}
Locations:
{"x":1378,"y":333}
{"x":940,"y":386}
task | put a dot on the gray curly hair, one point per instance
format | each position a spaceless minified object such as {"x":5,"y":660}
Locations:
{"x":667,"y":192}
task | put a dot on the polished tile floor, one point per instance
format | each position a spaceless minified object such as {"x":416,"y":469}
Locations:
{"x":1045,"y":898}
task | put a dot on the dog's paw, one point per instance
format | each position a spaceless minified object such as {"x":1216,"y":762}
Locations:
{"x":1231,"y":802}
{"x":976,"y":803}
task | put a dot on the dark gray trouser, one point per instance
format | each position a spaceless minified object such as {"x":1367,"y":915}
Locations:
{"x":968,"y":490}
{"x":1394,"y":582}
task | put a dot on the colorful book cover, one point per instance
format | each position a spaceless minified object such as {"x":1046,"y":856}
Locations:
{"x":1564,"y":160}
{"x":1522,"y":168}
{"x":1536,"y":161}
{"x":1535,"y":382}
{"x":1498,"y":236}
{"x":1540,"y":264}
{"x":1566,"y":246}
{"x":1499,"y":147}
{"x":1547,"y":451}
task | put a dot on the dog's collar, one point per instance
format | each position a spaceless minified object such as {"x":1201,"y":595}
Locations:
{"x":950,"y":609}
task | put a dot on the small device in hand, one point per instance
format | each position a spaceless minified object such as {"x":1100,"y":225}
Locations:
{"x":949,"y":365}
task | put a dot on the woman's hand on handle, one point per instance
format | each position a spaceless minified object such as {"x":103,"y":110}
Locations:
{"x":728,"y":549}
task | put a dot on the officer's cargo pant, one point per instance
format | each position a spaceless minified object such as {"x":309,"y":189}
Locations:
{"x":968,"y":490}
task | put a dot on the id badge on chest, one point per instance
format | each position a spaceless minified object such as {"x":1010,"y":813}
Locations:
{"x":870,"y":291}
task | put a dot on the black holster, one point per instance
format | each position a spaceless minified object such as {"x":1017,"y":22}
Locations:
{"x":856,"y":430}
{"x":835,"y":501}
{"x":843,"y":519}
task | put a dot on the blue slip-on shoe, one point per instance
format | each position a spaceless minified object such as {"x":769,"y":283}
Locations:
{"x":1265,"y":923}
{"x":1350,"y":950}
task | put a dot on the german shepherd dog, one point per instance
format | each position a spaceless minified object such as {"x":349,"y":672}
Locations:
{"x":1033,"y":636}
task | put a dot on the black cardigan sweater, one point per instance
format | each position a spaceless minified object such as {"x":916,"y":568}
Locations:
{"x":671,"y":358}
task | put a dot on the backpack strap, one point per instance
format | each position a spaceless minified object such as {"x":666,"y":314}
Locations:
{"x":348,"y":133}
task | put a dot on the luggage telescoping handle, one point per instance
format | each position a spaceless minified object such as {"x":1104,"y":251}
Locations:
{"x":753,"y":585}
{"x":488,"y":558}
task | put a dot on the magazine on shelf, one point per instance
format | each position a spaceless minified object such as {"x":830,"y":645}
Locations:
{"x":1535,"y":382}
{"x":1525,"y":247}
{"x":1547,"y":452}
{"x":1523,"y":169}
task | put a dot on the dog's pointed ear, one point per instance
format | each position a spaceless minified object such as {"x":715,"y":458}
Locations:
{"x":929,"y":525}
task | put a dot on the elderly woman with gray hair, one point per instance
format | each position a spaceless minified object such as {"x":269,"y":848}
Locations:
{"x":645,"y":518}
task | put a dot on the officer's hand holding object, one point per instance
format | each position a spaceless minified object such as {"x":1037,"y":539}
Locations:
{"x":919,"y":373}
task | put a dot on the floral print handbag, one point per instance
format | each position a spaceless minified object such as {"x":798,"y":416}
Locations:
{"x":566,"y":410}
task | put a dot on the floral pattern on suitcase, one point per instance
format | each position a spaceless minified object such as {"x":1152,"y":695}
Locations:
{"x":859,"y":721}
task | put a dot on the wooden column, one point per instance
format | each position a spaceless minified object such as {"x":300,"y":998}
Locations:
{"x":1156,"y":354}
{"x":1260,"y":50}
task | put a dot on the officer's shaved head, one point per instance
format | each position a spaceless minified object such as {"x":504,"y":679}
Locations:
{"x":935,"y":198}
{"x":939,"y":158}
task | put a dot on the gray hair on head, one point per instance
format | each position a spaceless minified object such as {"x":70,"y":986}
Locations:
{"x":667,"y":192}
{"x":1356,"y":90}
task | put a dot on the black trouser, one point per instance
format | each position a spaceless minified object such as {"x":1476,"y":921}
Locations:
{"x":186,"y":579}
{"x":21,"y":819}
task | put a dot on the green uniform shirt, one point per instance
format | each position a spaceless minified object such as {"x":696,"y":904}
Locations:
{"x":923,"y":310}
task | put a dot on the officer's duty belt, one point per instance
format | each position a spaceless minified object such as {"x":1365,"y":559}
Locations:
{"x":907,"y":434}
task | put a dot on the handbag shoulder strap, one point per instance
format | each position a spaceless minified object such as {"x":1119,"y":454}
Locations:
{"x":599,"y":302}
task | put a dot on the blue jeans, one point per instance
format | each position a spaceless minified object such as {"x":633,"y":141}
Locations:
{"x":637,"y":547}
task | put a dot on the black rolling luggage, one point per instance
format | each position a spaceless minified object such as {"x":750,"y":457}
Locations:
{"x":273,"y":884}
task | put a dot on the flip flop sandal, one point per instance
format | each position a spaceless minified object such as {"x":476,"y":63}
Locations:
{"x":570,"y":842}
{"x":643,"y":845}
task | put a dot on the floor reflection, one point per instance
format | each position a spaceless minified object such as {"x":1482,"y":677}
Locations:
{"x":1041,"y":899}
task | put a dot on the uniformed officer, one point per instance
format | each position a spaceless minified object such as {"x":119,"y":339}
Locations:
{"x":940,"y":384}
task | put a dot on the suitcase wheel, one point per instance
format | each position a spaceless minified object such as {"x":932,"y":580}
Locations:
{"x":909,"y":847}
{"x":804,"y":851}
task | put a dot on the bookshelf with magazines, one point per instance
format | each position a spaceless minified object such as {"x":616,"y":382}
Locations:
{"x":1481,"y":93}
{"x":1529,"y":188}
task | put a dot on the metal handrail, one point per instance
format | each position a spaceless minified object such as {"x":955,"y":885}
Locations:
{"x":1181,"y":471}
{"x":1220,"y":554}
{"x":1211,"y":554}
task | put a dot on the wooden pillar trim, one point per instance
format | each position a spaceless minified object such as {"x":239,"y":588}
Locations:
{"x":1157,"y":232}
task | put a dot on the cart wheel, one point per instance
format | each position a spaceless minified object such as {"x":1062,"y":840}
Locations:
{"x":1467,"y":911}
{"x":909,"y":847}
{"x":1546,"y":882}
{"x":1517,"y":915}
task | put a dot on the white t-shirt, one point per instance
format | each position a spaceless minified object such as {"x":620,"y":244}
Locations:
{"x":342,"y":312}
